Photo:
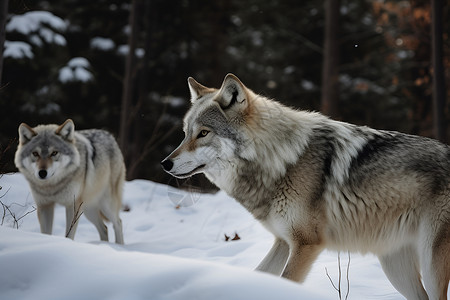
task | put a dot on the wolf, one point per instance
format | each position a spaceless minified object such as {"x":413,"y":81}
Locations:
{"x":82,"y":170}
{"x":316,"y":183}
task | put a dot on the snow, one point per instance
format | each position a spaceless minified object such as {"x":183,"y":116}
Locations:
{"x":78,"y":62}
{"x":33,"y":22}
{"x":124,"y":49}
{"x":307,"y":85}
{"x":174,"y":249}
{"x":81,"y":74}
{"x":360,"y":85}
{"x":66,"y":74}
{"x":17,"y":50}
{"x":103,"y":44}
{"x":51,"y":37}
{"x":174,"y":101}
{"x":36,"y":40}
{"x":76,"y":70}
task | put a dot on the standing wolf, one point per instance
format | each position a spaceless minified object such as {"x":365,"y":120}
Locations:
{"x":78,"y":169}
{"x":317,"y":183}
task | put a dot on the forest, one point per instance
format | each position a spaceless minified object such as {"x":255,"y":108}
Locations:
{"x":123,"y":65}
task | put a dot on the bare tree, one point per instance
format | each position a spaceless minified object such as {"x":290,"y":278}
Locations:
{"x":330,"y":68}
{"x":439,"y":93}
{"x":129,"y":83}
{"x":3,"y":16}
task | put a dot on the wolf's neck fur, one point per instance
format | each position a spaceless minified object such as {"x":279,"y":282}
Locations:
{"x":274,"y":137}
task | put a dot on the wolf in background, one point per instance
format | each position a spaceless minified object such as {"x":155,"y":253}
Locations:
{"x":316,"y":183}
{"x":82,"y":170}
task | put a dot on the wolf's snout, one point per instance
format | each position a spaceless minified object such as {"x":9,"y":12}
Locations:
{"x":167,"y":164}
{"x":42,"y":174}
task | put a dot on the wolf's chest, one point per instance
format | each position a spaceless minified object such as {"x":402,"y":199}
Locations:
{"x":286,"y":213}
{"x":62,"y":193}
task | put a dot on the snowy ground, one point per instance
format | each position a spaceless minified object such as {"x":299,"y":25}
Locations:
{"x":171,"y":252}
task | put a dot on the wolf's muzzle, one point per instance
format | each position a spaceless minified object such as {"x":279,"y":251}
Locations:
{"x":167,"y":165}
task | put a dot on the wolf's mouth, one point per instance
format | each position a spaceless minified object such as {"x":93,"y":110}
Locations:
{"x":188,"y":174}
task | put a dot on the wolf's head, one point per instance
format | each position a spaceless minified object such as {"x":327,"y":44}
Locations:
{"x":212,"y":128}
{"x":45,"y":151}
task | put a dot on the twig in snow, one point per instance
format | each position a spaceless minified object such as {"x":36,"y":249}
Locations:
{"x":76,"y":217}
{"x":338,"y":287}
{"x":6,"y":208}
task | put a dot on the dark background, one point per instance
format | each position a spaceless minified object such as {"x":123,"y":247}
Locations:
{"x":275,"y":47}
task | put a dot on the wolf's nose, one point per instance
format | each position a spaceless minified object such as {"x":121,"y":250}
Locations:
{"x":167,"y":164}
{"x":42,"y":174}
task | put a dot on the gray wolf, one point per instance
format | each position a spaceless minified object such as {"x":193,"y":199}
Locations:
{"x":82,"y":170}
{"x":317,"y":183}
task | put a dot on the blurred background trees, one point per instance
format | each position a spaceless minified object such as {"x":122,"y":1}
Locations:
{"x":92,"y":62}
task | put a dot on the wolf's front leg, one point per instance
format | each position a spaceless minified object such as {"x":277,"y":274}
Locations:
{"x":275,"y":260}
{"x":45,"y":215}
{"x":301,"y":258}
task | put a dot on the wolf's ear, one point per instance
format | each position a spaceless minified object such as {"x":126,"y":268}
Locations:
{"x":66,"y":130}
{"x":197,"y":90}
{"x":232,"y":91}
{"x":26,"y":133}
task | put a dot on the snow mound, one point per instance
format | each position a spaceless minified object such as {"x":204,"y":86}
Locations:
{"x":175,"y":248}
{"x":46,"y":267}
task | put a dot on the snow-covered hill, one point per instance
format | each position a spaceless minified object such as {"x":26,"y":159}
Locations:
{"x":174,"y":248}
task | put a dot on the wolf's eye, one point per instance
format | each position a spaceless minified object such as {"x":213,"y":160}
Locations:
{"x":203,"y":133}
{"x":54,"y":153}
{"x":35,"y":154}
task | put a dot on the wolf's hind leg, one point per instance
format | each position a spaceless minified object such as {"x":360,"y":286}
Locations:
{"x":436,"y":264}
{"x":117,"y":224}
{"x":109,"y":212}
{"x":92,"y":213}
{"x":110,"y":205}
{"x":275,"y":260}
{"x":403,"y":271}
{"x":45,"y":215}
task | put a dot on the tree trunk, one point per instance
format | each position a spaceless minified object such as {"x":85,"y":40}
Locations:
{"x":439,"y":93}
{"x":142,"y":89}
{"x":128,"y":86}
{"x":3,"y":16}
{"x":330,"y":68}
